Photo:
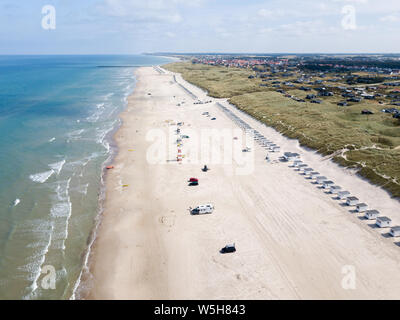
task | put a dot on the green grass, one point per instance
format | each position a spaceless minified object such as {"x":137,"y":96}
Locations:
{"x":371,"y":143}
{"x":220,"y":82}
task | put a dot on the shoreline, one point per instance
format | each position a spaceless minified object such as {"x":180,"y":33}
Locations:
{"x":79,"y":288}
{"x":143,"y":252}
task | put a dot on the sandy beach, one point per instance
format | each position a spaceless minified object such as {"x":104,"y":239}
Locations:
{"x":293,"y":240}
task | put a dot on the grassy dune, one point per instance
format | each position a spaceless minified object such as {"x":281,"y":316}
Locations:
{"x":369,"y":143}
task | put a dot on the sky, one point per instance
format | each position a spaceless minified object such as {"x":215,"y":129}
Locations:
{"x":239,"y":26}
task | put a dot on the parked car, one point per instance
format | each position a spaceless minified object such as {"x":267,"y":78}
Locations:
{"x":193,"y":182}
{"x":229,"y":248}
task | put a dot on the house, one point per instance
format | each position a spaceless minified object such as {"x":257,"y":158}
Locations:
{"x":325,"y":94}
{"x":354,"y":100}
{"x":383,"y":222}
{"x":361,"y":207}
{"x":371,"y":214}
{"x":365,"y":111}
{"x":395,"y":231}
{"x":352,"y":201}
{"x":335,"y":189}
{"x":343,"y":194}
{"x":310,"y":96}
{"x":368,"y":96}
{"x":390,"y":110}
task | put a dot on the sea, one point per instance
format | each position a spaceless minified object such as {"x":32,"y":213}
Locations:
{"x":57,"y":118}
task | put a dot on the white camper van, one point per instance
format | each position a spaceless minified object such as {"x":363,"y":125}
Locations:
{"x":203,"y":209}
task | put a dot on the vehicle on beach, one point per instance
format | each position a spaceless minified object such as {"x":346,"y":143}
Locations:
{"x":193,"y":182}
{"x":247,"y":149}
{"x":202,"y":209}
{"x":213,"y":118}
{"x":229,"y":248}
{"x":205,"y":168}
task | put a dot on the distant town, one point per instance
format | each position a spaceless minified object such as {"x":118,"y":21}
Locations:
{"x":353,"y":78}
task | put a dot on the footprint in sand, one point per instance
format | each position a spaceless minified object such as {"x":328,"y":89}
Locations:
{"x":168,"y":221}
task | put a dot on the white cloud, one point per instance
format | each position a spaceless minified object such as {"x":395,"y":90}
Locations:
{"x":266,"y":13}
{"x":351,"y":1}
{"x":390,"y":18}
{"x":170,"y":34}
{"x":149,"y":11}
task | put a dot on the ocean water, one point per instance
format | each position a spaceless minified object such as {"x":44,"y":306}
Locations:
{"x":57,"y":116}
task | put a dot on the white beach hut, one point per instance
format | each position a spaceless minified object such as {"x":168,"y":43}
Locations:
{"x":297,"y":162}
{"x":290,"y":156}
{"x":335,"y":189}
{"x":371,"y":214}
{"x":352,"y":201}
{"x":327,"y":184}
{"x":313,"y":174}
{"x":320,"y":179}
{"x":395,"y":231}
{"x":362,"y":207}
{"x":343,"y":194}
{"x":383,"y":222}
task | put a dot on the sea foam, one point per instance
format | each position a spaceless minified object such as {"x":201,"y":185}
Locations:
{"x":57,"y":167}
{"x":41,"y":177}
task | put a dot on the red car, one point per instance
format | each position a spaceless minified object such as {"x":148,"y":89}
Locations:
{"x":193,"y":182}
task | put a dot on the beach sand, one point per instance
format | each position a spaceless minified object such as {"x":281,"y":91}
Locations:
{"x":293,"y":240}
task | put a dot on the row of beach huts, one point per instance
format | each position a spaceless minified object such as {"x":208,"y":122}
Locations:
{"x":316,"y":178}
{"x":258,"y":137}
{"x":332,"y":188}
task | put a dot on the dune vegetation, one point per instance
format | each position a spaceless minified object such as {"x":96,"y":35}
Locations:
{"x":368,"y":143}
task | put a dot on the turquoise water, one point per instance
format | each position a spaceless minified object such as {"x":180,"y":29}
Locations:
{"x":57,"y":116}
